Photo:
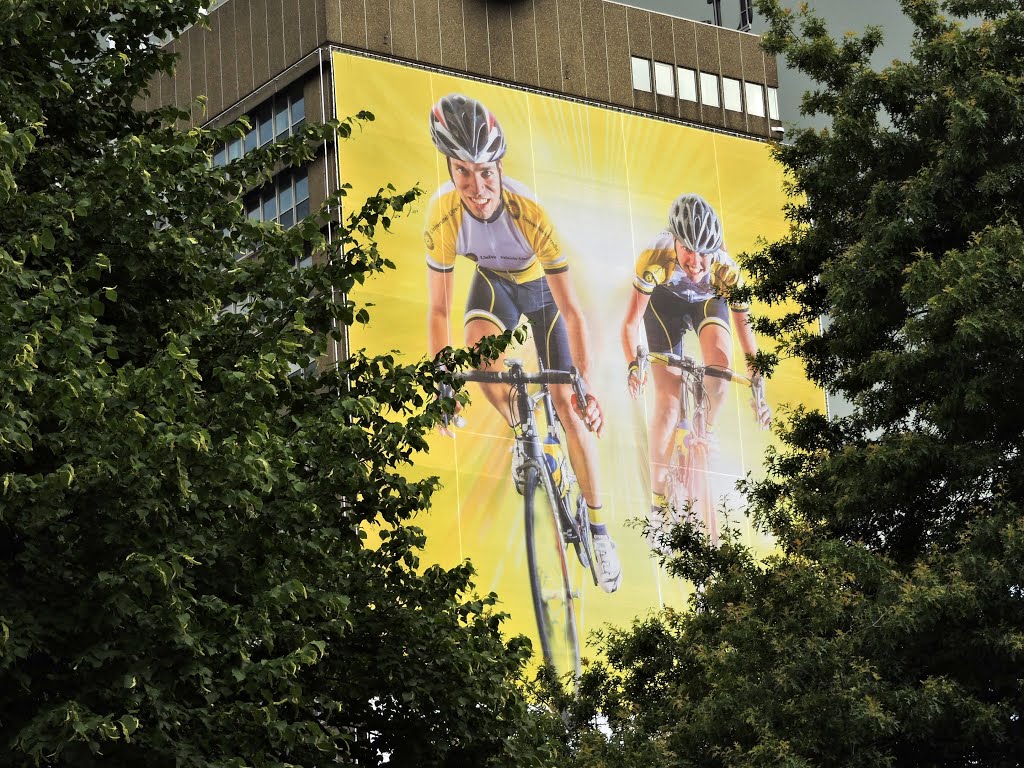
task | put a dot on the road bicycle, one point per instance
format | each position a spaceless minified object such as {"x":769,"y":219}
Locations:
{"x":554,"y":510}
{"x":688,"y":483}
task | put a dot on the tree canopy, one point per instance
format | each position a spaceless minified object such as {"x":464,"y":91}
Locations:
{"x":206,"y":556}
{"x":889,"y":627}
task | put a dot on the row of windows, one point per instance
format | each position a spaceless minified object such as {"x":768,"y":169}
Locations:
{"x":285,"y":200}
{"x":276,"y":118}
{"x":706,"y":87}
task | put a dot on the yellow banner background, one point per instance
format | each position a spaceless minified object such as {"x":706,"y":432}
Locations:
{"x":606,"y":179}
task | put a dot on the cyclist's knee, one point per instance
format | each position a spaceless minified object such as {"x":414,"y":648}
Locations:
{"x":716,"y":345}
{"x":561,"y":396}
{"x":478,"y":328}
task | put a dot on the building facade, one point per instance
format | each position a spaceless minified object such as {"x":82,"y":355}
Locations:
{"x":610,"y":114}
{"x":596,"y":51}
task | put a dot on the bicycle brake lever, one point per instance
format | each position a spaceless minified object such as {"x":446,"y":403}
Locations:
{"x":579,"y":387}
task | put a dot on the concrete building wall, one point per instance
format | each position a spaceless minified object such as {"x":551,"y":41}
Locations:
{"x":576,"y":48}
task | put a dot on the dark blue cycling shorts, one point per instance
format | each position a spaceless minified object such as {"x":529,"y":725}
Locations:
{"x":669,"y":317}
{"x":503,"y":303}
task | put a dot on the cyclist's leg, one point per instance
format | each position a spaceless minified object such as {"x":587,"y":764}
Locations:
{"x":665,"y":322}
{"x":552,"y":340}
{"x":490,"y":310}
{"x":662,"y":423}
{"x":715,"y":336}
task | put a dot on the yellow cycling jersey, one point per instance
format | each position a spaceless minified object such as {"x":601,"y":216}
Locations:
{"x":519,"y":242}
{"x":657,"y":266}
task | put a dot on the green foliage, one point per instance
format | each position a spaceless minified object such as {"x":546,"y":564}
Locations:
{"x":205,"y":559}
{"x":889,"y":628}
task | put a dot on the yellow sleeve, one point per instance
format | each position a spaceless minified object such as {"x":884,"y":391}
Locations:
{"x":444,"y":217}
{"x":726,"y":275}
{"x":649,"y":272}
{"x":655,"y":263}
{"x":539,"y":232}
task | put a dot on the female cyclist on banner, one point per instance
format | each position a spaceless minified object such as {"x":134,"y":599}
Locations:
{"x":679,"y":280}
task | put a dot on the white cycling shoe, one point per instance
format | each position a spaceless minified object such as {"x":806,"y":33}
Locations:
{"x":659,"y":525}
{"x":518,"y":460}
{"x":606,"y":559}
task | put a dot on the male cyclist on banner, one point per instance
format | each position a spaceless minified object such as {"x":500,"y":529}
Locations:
{"x":496,"y":222}
{"x":679,"y":280}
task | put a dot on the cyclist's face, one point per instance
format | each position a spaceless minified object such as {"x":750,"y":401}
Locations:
{"x":479,"y":186}
{"x":694,"y":265}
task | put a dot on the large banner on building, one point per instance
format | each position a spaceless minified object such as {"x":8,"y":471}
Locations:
{"x":542,"y":209}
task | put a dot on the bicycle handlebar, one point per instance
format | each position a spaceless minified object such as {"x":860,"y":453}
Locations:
{"x":517,"y":375}
{"x":759,"y":400}
{"x":689,"y":365}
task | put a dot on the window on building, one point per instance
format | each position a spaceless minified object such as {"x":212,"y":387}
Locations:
{"x":732,"y":94}
{"x":664,"y":83}
{"x":277,"y":118}
{"x":709,"y":90}
{"x":755,"y":99}
{"x":641,"y":73}
{"x":687,"y":84}
{"x":285,"y":200}
{"x":773,"y":103}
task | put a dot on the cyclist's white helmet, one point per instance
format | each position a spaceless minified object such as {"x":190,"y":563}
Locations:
{"x":695,"y":224}
{"x":464,"y":129}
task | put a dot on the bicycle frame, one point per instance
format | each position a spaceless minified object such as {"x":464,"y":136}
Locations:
{"x":688,"y":486}
{"x":554,"y":510}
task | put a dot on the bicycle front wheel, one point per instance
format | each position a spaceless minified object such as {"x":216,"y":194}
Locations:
{"x":550,"y":582}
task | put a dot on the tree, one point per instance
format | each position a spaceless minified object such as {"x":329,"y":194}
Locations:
{"x":206,"y":556}
{"x":888,"y":629}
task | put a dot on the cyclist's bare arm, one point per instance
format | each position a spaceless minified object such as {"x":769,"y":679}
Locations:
{"x":564,"y":296}
{"x":638,"y":302}
{"x":745,"y":336}
{"x":439,"y":309}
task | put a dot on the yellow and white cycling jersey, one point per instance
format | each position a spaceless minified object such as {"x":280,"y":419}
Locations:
{"x":657,"y":266}
{"x":518,"y":242}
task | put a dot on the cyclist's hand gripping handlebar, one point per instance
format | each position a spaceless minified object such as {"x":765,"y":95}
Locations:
{"x":585,"y":404}
{"x":759,"y":401}
{"x":636,"y":377}
{"x":455,"y":419}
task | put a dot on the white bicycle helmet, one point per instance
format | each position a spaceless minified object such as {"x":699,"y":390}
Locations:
{"x":695,"y":224}
{"x":464,"y":129}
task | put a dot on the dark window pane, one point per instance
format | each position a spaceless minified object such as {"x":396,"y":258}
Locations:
{"x":285,"y":195}
{"x":266,"y":130}
{"x":281,"y":121}
{"x":270,"y":209}
{"x":298,"y":110}
{"x":302,"y":210}
{"x":287,"y":217}
{"x":250,"y":140}
{"x":235,"y":149}
{"x":221,"y":157}
{"x":301,"y":187}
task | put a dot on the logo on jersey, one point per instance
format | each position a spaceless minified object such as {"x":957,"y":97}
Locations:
{"x":654,"y":276}
{"x":513,"y":209}
{"x":428,"y":241}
